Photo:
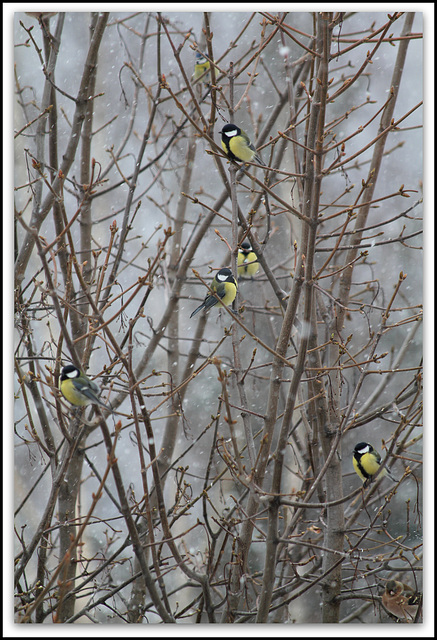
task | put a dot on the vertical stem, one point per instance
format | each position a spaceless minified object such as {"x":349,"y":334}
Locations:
{"x":85,"y":181}
{"x":378,"y":153}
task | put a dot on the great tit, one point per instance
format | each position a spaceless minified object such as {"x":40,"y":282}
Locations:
{"x":247,"y":268}
{"x":367,"y":461}
{"x":78,"y":389}
{"x":237,"y":145}
{"x":401,"y":600}
{"x":224,"y":286}
{"x":201,"y":65}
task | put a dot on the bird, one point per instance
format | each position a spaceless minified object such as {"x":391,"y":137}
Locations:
{"x":237,"y":145}
{"x":201,"y":65}
{"x":366,"y":461}
{"x":401,"y":600}
{"x":225,"y":286}
{"x":246,"y":267}
{"x":78,"y":389}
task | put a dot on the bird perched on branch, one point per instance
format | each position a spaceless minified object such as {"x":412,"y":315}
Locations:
{"x":78,"y":389}
{"x":225,"y":286}
{"x":201,"y":65}
{"x":237,"y":145}
{"x":401,"y":600}
{"x":247,"y":264}
{"x":367,"y":461}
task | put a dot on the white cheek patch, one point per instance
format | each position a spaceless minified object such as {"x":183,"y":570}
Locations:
{"x":72,"y":374}
{"x":230,"y":134}
{"x":221,"y":277}
{"x":364,"y":450}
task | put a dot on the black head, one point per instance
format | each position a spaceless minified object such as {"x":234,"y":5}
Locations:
{"x":246,"y":247}
{"x":69,"y":372}
{"x":224,"y":275}
{"x":363,"y":447}
{"x":230,"y":130}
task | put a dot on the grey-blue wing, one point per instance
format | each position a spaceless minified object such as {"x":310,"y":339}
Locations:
{"x":257,"y":156}
{"x":209,"y":302}
{"x":87,"y":390}
{"x":90,"y":391}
